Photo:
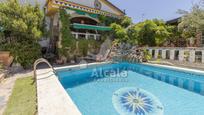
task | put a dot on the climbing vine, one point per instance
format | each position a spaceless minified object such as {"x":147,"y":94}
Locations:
{"x":69,"y":47}
{"x":66,"y":44}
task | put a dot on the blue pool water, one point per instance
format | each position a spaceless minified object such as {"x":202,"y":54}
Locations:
{"x":93,"y":89}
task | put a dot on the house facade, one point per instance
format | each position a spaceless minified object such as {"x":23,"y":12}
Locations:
{"x":84,"y":17}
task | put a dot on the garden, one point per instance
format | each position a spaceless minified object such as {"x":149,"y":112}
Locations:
{"x":23,"y":25}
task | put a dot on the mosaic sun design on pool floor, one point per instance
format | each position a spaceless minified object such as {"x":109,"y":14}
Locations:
{"x":135,"y":101}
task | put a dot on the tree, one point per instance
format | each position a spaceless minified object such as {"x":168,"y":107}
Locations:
{"x":162,"y":32}
{"x":126,"y":21}
{"x":175,"y":36}
{"x":121,"y":29}
{"x":22,"y":20}
{"x":192,"y":22}
{"x":22,"y":26}
{"x":149,"y":32}
{"x":120,"y":32}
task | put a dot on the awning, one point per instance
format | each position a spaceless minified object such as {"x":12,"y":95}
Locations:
{"x":90,"y":27}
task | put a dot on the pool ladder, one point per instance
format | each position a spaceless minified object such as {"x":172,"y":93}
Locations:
{"x":38,"y":61}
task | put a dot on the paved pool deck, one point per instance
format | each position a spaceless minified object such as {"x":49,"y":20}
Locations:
{"x":52,"y":97}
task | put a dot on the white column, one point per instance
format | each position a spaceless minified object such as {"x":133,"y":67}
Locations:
{"x":163,"y":54}
{"x":86,"y":36}
{"x":77,"y":35}
{"x":181,"y":55}
{"x":95,"y":37}
{"x":172,"y":54}
{"x":202,"y":56}
{"x":156,"y":53}
{"x":192,"y":56}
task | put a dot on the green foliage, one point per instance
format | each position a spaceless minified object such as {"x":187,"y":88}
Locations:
{"x":144,"y":32}
{"x":126,"y":21}
{"x":83,"y":46}
{"x":120,"y":32}
{"x":175,"y":35}
{"x":67,"y":39}
{"x":149,"y":32}
{"x":24,"y":24}
{"x":25,"y":52}
{"x":106,"y":21}
{"x":162,"y":32}
{"x":121,"y":29}
{"x":71,"y":47}
{"x":147,"y":55}
{"x":23,"y":20}
{"x":192,"y":21}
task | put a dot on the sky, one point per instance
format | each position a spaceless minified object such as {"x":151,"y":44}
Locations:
{"x":140,"y":10}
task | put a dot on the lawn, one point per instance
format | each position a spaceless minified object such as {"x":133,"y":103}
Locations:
{"x":23,"y":98}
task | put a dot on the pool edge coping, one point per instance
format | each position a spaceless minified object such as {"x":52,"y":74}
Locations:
{"x":195,"y":71}
{"x":48,"y":86}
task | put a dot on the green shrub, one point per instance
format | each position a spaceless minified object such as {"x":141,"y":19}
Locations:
{"x":83,"y":47}
{"x":23,"y":26}
{"x":147,"y":55}
{"x":24,"y":52}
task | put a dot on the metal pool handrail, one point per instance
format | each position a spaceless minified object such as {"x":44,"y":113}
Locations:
{"x":38,"y":61}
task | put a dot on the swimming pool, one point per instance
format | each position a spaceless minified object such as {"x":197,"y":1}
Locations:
{"x":96,"y":90}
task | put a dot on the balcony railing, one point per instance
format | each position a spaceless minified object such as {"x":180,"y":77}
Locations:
{"x":78,"y":35}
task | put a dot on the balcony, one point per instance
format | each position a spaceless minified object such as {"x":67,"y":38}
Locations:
{"x":78,"y":35}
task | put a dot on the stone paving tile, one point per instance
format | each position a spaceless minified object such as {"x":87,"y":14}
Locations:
{"x":52,"y":98}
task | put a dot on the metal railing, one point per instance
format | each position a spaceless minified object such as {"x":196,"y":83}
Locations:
{"x":41,"y":60}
